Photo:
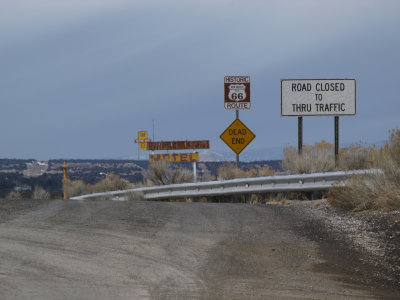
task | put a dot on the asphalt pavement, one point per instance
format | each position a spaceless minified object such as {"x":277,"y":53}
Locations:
{"x":160,"y":250}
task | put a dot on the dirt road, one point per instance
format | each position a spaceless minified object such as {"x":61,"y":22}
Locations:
{"x":160,"y":250}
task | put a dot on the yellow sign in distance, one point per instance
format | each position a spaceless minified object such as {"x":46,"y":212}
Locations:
{"x":142,"y":135}
{"x":237,"y":136}
{"x":175,"y":157}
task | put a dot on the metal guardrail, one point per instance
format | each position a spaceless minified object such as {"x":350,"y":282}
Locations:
{"x":280,"y":183}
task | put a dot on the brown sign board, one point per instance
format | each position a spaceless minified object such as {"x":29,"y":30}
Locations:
{"x":237,"y":136}
{"x":178,"y":145}
{"x":237,"y":92}
{"x":175,"y":157}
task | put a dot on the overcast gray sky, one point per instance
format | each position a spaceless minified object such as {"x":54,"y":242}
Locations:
{"x":78,"y":79}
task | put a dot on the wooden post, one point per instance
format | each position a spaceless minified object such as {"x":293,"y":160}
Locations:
{"x":65,"y":170}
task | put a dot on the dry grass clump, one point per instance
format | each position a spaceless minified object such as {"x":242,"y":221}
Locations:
{"x":207,"y":176}
{"x":75,"y":188}
{"x":161,"y":173}
{"x":40,"y":193}
{"x":356,"y":157}
{"x":379,"y":190}
{"x":14,"y":195}
{"x":265,"y":171}
{"x":320,"y":158}
{"x":267,"y":198}
{"x":134,"y":196}
{"x":230,"y":171}
{"x":276,"y":198}
{"x":158,"y":173}
{"x":181,"y":175}
{"x":112,"y":182}
{"x":317,"y":158}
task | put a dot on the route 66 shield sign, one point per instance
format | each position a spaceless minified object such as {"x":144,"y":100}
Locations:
{"x":237,"y":92}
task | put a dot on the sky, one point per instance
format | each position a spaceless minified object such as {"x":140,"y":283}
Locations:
{"x":79,"y":79}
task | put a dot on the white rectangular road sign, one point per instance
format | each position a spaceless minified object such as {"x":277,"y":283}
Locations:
{"x":318,"y":97}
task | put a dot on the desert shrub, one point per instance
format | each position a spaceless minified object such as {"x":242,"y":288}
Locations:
{"x":257,"y":198}
{"x":207,"y":176}
{"x":161,"y":173}
{"x":40,"y":193}
{"x":14,"y":195}
{"x":134,"y":196}
{"x":181,"y":175}
{"x":354,"y":196}
{"x":265,"y":171}
{"x":356,"y":157}
{"x":112,"y":182}
{"x":378,"y":190}
{"x":75,"y":188}
{"x":274,"y":198}
{"x":317,"y":158}
{"x":157,"y":173}
{"x":230,"y":171}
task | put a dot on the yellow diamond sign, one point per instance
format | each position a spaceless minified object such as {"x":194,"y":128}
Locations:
{"x":237,"y":136}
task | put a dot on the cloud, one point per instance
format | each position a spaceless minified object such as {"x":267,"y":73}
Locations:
{"x":22,"y":19}
{"x":106,"y":68}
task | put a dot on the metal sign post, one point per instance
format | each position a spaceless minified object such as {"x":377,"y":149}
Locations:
{"x":236,"y":96}
{"x":194,"y":170}
{"x":300,"y":135}
{"x":237,"y":154}
{"x":336,"y":140}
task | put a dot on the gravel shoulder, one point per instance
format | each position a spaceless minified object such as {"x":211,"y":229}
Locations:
{"x":160,"y":250}
{"x":367,"y":243}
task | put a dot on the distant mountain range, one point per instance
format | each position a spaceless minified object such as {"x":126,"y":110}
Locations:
{"x":273,"y":153}
{"x":247,"y":155}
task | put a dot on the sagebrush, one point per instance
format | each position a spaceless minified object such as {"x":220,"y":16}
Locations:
{"x":379,"y":189}
{"x":320,"y":157}
{"x":40,"y":193}
{"x":230,"y":171}
{"x":317,"y":158}
{"x":112,"y":182}
{"x":162,"y":173}
{"x":14,"y":195}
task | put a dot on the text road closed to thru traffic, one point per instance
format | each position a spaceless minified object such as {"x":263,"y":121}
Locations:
{"x":318,"y":97}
